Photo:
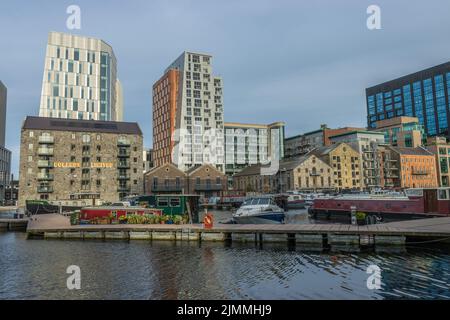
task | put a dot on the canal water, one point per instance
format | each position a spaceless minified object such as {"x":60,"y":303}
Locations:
{"x":36,"y":269}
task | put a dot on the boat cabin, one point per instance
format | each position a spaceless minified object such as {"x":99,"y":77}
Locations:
{"x":435,"y":200}
{"x":170,"y":204}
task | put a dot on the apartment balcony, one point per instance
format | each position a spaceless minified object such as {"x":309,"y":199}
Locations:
{"x":314,"y":174}
{"x":45,"y":189}
{"x":208,"y":187}
{"x":123,"y":143}
{"x":420,"y":172}
{"x":124,"y":154}
{"x":45,"y":164}
{"x":123,"y":177}
{"x":45,"y":151}
{"x":123,"y":165}
{"x":45,"y":177}
{"x":168,"y":187}
{"x":46,"y":140}
{"x":123,"y":189}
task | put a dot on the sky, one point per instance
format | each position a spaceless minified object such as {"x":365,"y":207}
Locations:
{"x":302,"y":62}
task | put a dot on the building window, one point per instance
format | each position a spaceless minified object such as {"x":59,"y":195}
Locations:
{"x":86,"y":138}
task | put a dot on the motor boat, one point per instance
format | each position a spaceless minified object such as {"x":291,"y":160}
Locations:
{"x":259,"y":210}
{"x":296,"y":201}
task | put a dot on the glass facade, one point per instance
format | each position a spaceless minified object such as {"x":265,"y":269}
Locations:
{"x":423,"y":95}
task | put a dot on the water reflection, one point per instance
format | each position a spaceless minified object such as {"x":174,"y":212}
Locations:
{"x":36,"y":269}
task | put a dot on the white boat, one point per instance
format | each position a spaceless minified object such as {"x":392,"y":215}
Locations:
{"x":259,"y":210}
{"x":295,"y":200}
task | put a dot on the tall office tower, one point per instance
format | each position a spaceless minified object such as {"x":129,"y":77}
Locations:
{"x":188,"y":114}
{"x":5,"y":154}
{"x":80,"y":79}
{"x":424,"y":94}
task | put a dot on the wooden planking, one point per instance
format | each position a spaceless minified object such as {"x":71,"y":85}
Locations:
{"x":424,"y":227}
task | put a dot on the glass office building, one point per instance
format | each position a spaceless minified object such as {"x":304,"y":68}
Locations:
{"x":424,"y":94}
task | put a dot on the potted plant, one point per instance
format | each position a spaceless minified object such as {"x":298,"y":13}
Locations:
{"x":163,"y":219}
{"x":170,"y":219}
{"x":123,"y":219}
{"x":360,"y":218}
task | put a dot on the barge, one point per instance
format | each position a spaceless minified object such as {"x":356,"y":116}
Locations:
{"x":416,"y":203}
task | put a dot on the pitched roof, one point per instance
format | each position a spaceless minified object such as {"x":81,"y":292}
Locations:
{"x":59,"y":124}
{"x":289,"y":164}
{"x":419,"y":151}
{"x":191,"y":170}
{"x":155,"y":169}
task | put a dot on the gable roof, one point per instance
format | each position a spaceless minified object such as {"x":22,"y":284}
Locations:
{"x":287,"y":165}
{"x":156,"y":169}
{"x":191,"y":170}
{"x":419,"y":151}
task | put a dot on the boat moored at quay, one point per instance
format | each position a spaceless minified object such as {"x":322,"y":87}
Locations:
{"x":259,"y":210}
{"x":414,"y":203}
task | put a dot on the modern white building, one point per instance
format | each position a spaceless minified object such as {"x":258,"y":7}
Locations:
{"x":188,"y":114}
{"x":80,"y":79}
{"x":5,"y":154}
{"x":249,"y":144}
{"x":147,"y":156}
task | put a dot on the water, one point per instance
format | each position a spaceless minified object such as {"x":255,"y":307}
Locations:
{"x":36,"y":269}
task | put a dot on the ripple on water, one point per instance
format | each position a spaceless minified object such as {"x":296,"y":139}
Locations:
{"x":165,"y":270}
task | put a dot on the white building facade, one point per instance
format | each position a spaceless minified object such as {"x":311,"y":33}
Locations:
{"x":249,"y":144}
{"x":199,"y":131}
{"x":80,"y":79}
{"x":5,"y":154}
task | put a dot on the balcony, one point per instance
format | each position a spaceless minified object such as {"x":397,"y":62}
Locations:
{"x":45,"y":151}
{"x":167,"y":187}
{"x":44,"y":177}
{"x":45,"y":164}
{"x":123,"y":165}
{"x":46,"y":140}
{"x":124,"y":154}
{"x":44,"y":189}
{"x":123,"y":177}
{"x":208,"y":187}
{"x":123,"y":143}
{"x":420,"y":172}
{"x":123,"y":189}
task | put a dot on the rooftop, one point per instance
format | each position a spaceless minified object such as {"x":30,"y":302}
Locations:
{"x":356,"y":132}
{"x":58,"y":124}
{"x":412,"y":151}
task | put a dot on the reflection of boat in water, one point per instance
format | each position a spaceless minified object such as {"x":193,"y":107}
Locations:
{"x":259,"y":210}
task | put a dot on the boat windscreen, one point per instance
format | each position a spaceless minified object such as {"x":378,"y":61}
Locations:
{"x":264,"y":201}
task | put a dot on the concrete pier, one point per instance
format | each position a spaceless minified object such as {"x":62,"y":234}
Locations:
{"x":323,"y":235}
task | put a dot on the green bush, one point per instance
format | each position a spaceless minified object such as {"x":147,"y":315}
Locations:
{"x":360,"y":216}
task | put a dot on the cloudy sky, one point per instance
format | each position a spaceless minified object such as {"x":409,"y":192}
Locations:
{"x":302,"y":62}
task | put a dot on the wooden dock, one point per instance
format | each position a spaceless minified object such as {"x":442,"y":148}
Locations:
{"x":13,"y":224}
{"x":435,"y":229}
